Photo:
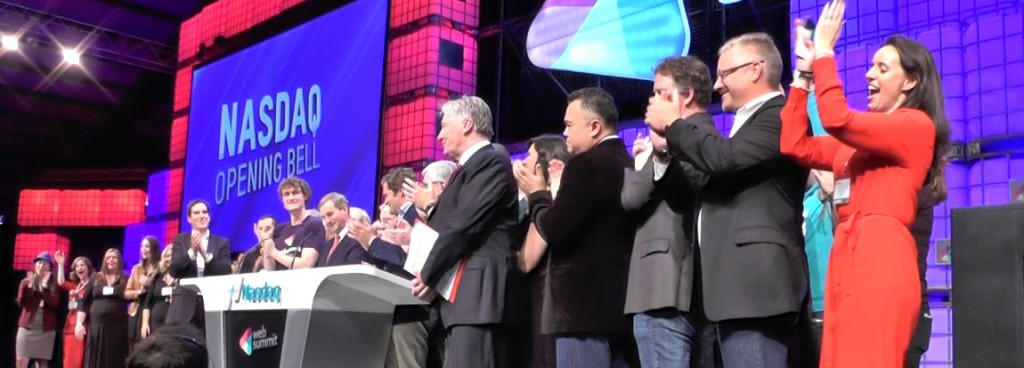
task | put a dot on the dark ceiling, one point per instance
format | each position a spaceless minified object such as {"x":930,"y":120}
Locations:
{"x":112,"y":111}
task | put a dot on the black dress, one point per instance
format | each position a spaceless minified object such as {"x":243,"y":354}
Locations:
{"x":157,"y":304}
{"x":107,"y":344}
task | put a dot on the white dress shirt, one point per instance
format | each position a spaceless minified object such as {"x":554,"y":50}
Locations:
{"x":201,"y":261}
{"x":472,"y":150}
{"x":744,"y":113}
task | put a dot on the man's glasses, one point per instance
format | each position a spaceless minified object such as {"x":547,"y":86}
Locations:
{"x":725,"y":72}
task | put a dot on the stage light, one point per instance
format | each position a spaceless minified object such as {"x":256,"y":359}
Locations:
{"x":9,"y":42}
{"x":71,"y":56}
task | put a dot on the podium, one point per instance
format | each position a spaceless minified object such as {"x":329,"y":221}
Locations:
{"x":988,"y":286}
{"x":319,"y":317}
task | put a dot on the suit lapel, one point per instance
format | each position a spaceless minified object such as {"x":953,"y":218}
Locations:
{"x":772,"y":102}
{"x":457,"y":180}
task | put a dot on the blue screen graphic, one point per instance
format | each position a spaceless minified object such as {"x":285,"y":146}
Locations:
{"x":304,"y":103}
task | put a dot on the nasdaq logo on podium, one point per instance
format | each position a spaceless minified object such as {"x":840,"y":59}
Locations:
{"x":252,"y":341}
{"x":246,"y":293}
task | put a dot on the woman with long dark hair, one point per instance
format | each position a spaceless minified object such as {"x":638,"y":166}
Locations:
{"x":882,"y":159}
{"x":138,"y":285}
{"x":38,"y":297}
{"x":104,"y":302}
{"x":81,"y":272}
{"x":154,"y":307}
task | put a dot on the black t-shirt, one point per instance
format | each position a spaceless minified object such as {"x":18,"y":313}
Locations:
{"x":308,"y":234}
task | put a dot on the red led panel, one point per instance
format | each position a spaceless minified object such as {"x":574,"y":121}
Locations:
{"x":406,"y":11}
{"x":176,"y":188}
{"x":38,"y":206}
{"x":410,"y":131}
{"x":179,"y":137}
{"x":414,"y":62}
{"x":182,"y":88}
{"x":28,"y":246}
{"x":81,"y":207}
{"x":188,"y":39}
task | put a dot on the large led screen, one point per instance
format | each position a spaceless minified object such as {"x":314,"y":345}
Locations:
{"x":303,"y":103}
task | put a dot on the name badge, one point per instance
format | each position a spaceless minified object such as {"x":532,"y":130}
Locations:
{"x":841,"y":195}
{"x":108,"y":290}
{"x":166,"y":291}
{"x":73,"y":305}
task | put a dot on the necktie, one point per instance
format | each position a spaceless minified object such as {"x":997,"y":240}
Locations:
{"x":337,"y":240}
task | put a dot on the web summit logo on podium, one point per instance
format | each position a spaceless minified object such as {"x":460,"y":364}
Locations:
{"x":255,"y":294}
{"x":252,"y":341}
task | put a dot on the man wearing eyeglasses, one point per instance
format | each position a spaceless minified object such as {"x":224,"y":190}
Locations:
{"x":753,"y":268}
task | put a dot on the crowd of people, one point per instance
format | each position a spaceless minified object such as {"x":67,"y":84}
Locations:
{"x":795,"y":240}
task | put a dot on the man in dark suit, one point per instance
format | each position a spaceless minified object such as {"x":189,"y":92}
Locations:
{"x":196,"y":254}
{"x":751,"y":250}
{"x":252,"y":259}
{"x":474,"y":217}
{"x":589,"y":237}
{"x":663,"y":197}
{"x":339,"y":249}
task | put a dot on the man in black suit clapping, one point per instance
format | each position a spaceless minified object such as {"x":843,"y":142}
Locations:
{"x":589,"y":237}
{"x":197,"y":253}
{"x":474,"y":217}
{"x":748,"y":229}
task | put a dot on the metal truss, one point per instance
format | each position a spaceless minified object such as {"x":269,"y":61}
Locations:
{"x":41,"y":28}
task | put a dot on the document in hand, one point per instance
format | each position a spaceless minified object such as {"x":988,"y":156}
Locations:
{"x":641,"y":159}
{"x":421,"y":242}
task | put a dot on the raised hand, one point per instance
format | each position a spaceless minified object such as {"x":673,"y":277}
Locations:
{"x":530,"y":179}
{"x":58,"y":256}
{"x":803,"y":46}
{"x":399,"y":235}
{"x":663,"y":110}
{"x":830,"y":25}
{"x":640,"y":145}
{"x":416,"y":192}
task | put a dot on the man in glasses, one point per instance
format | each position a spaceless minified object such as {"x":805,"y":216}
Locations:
{"x":753,"y":268}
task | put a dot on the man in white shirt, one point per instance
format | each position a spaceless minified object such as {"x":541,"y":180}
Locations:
{"x":197,"y":253}
{"x":753,"y":268}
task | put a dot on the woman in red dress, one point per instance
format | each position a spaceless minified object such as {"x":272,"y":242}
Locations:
{"x":81,"y":271}
{"x":881,"y":160}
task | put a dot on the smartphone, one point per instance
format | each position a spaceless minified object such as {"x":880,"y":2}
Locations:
{"x":804,"y":32}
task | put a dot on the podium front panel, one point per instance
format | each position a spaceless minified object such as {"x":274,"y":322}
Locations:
{"x":254,"y":339}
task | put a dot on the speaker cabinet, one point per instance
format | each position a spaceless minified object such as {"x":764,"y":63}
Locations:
{"x":988,"y":286}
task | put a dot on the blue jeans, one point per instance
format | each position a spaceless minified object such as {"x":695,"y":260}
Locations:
{"x":756,"y":342}
{"x":587,"y":351}
{"x":664,"y":338}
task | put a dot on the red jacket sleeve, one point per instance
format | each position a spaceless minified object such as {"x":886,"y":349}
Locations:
{"x":811,"y":152}
{"x":895,"y":135}
{"x":22,"y":287}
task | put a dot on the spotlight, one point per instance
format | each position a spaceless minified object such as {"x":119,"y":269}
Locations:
{"x":71,"y":56}
{"x":9,"y":42}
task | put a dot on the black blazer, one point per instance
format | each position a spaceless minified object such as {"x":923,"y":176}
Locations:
{"x":751,"y":247}
{"x":349,"y":252}
{"x":185,"y":303}
{"x":590,"y":237}
{"x":475,"y":217}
